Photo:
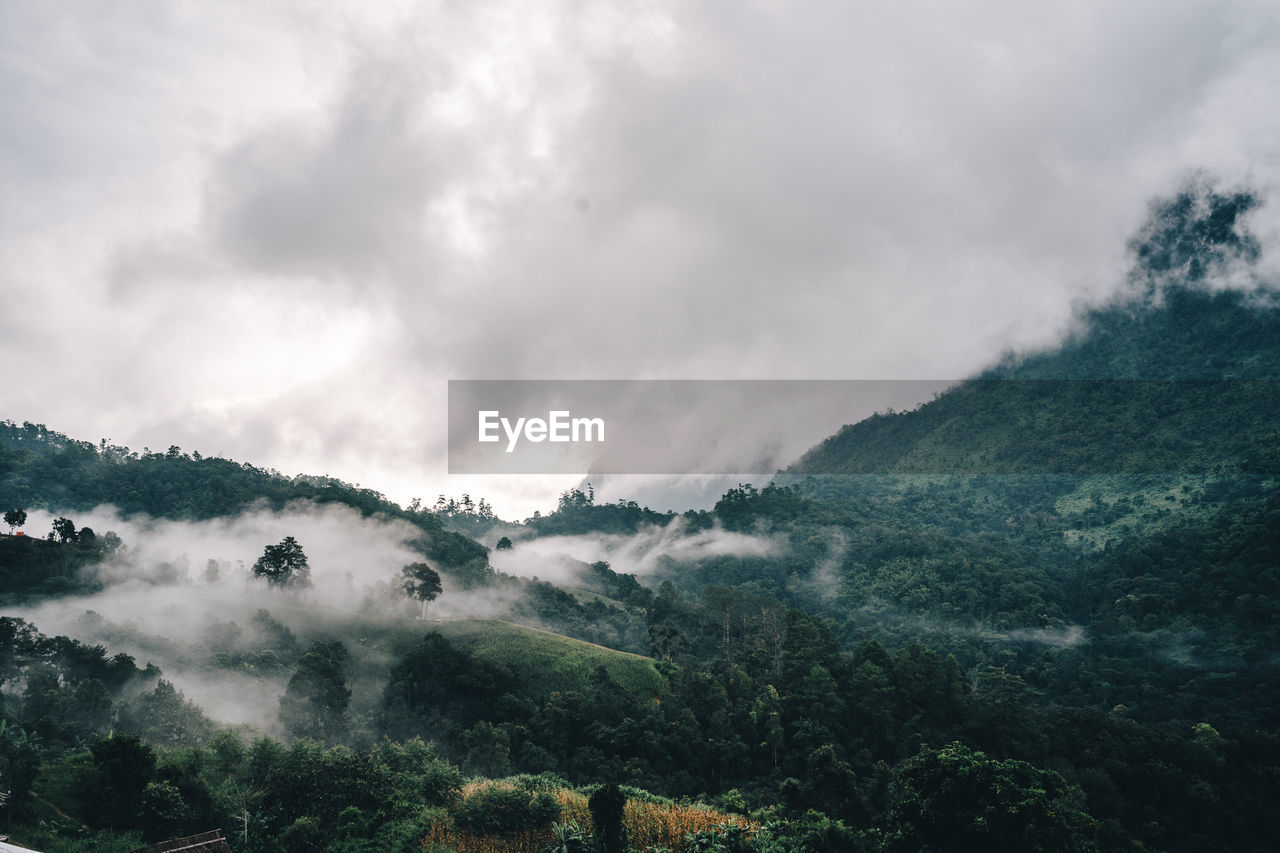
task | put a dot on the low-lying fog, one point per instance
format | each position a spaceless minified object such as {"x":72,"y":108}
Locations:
{"x":557,"y":558}
{"x":177,"y":592}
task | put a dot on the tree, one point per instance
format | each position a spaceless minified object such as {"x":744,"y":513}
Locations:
{"x":65,"y":529}
{"x":315,"y":703}
{"x":955,"y":798}
{"x":21,"y":754}
{"x":488,"y":750}
{"x":422,"y":582}
{"x":122,"y":767}
{"x":504,"y":544}
{"x":15,"y":518}
{"x":766,"y":715}
{"x":161,"y":810}
{"x":284,"y":565}
{"x":607,"y":805}
{"x":164,"y":717}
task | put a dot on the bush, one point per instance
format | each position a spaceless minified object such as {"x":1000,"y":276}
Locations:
{"x":499,"y":810}
{"x":303,"y":835}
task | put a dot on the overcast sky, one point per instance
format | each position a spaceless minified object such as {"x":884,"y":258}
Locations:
{"x":273,"y":231}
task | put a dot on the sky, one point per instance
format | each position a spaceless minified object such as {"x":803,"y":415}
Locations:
{"x":274,"y":231}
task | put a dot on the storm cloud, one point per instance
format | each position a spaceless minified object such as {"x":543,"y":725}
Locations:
{"x":274,"y":231}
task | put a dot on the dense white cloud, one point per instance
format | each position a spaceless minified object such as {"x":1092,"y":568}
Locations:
{"x":274,"y":231}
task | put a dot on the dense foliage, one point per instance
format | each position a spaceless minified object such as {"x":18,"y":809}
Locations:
{"x":43,"y":468}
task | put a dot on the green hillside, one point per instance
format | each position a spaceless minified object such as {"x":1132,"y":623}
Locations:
{"x":542,"y":661}
{"x":1079,"y":427}
{"x":552,"y":661}
{"x":1130,"y":395}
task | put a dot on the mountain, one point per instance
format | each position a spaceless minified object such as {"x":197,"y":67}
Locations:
{"x":1190,"y":385}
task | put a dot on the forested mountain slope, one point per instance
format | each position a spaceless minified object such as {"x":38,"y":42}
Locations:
{"x":1189,"y":385}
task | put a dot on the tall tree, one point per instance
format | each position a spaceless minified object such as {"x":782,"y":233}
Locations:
{"x":284,"y":565}
{"x":422,"y":582}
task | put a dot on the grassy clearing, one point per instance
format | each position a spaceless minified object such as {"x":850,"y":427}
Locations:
{"x":1110,"y":508}
{"x":586,"y":596}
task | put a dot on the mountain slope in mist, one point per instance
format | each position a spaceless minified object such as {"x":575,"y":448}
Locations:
{"x":1132,"y":394}
{"x":1177,"y":375}
{"x":44,"y":469}
{"x":1095,"y":593}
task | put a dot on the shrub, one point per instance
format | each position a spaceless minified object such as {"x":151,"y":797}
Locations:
{"x":498,"y":810}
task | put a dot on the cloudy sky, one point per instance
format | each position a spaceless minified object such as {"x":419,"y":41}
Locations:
{"x":273,"y":231}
